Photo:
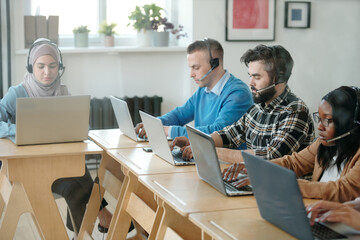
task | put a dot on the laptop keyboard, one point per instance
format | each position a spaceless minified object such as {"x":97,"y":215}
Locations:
{"x":231,"y":188}
{"x":323,"y":232}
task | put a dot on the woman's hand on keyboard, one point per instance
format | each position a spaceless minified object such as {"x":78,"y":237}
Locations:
{"x":326,"y":211}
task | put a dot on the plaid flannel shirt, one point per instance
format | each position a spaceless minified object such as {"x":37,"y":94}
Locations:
{"x":274,"y":130}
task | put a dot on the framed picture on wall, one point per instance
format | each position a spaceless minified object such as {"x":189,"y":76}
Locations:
{"x":297,"y":14}
{"x":250,"y":20}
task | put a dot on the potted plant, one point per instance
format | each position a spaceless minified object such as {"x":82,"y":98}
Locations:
{"x":141,"y":20}
{"x":81,"y":36}
{"x":162,"y":29}
{"x":108,"y":31}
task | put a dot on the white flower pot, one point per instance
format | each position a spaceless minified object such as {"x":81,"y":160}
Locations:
{"x":144,"y":38}
{"x":81,"y":39}
{"x":160,"y":39}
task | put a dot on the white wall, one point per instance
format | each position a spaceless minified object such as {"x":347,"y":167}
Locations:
{"x":326,"y":56}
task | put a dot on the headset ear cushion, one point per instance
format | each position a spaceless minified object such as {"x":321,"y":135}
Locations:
{"x":214,"y":62}
{"x":29,"y":68}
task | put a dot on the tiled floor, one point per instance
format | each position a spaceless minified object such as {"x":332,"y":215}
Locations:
{"x":26,"y":229}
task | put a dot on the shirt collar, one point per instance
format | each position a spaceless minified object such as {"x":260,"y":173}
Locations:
{"x":220,"y":84}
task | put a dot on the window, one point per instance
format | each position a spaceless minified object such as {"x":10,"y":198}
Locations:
{"x":73,"y":13}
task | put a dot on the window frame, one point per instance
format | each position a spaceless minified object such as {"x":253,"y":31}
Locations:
{"x":96,"y":39}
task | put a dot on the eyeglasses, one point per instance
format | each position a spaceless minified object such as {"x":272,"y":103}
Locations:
{"x":324,"y":121}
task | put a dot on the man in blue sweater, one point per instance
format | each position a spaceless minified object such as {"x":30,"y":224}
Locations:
{"x":220,"y":100}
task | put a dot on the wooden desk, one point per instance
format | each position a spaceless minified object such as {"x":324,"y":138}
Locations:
{"x":238,"y":224}
{"x":36,"y":167}
{"x":134,"y":201}
{"x":114,"y":139}
{"x":185,"y":193}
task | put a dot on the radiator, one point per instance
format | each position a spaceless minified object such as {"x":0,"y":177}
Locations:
{"x":102,"y":115}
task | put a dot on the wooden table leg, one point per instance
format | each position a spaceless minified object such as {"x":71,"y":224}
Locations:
{"x":39,"y":191}
{"x":177,"y":223}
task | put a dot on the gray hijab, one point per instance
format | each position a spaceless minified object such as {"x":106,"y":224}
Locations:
{"x":34,"y":87}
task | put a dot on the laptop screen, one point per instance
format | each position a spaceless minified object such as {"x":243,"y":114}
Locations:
{"x":278,"y":196}
{"x":52,"y":119}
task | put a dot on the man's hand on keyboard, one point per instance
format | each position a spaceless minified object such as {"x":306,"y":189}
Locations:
{"x":187,"y":153}
{"x":140,"y":130}
{"x":241,"y":182}
{"x":231,"y":173}
{"x":181,"y":142}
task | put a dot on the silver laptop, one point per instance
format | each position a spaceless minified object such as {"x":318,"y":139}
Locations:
{"x":51,"y":120}
{"x":159,"y":142}
{"x":280,"y":201}
{"x":124,"y":120}
{"x":207,"y":163}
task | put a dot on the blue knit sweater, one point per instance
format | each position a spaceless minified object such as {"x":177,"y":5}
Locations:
{"x":210,"y":111}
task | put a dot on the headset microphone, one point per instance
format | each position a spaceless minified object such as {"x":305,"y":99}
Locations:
{"x":266,"y":88}
{"x":202,"y":78}
{"x":339,"y":137}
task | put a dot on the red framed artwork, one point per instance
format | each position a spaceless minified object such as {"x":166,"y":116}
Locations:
{"x":250,"y":20}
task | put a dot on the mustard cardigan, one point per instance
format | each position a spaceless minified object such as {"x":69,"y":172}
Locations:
{"x":346,"y":188}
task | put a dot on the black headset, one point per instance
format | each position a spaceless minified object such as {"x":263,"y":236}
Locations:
{"x":214,"y":62}
{"x":279,"y":76}
{"x":29,"y":66}
{"x":357,"y":92}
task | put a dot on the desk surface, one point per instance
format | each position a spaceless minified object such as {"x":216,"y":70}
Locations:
{"x":114,"y":139}
{"x":237,"y":224}
{"x":140,"y":162}
{"x":187,"y":193}
{"x":8,"y":150}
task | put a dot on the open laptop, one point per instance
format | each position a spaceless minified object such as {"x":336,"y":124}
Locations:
{"x":159,"y":142}
{"x":280,"y":201}
{"x":207,"y":163}
{"x":124,"y":120}
{"x":56,"y":119}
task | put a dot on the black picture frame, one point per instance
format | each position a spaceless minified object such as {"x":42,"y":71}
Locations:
{"x":297,"y":14}
{"x":236,"y":15}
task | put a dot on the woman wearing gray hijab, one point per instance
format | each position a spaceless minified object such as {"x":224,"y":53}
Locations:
{"x":43,"y":79}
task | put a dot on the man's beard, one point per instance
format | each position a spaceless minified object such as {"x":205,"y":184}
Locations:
{"x":263,"y":96}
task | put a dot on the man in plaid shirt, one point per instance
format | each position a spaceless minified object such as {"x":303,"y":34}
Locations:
{"x":278,"y":123}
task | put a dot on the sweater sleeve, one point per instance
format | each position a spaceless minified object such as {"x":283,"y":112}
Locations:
{"x":8,"y":110}
{"x":300,"y":162}
{"x":179,"y":117}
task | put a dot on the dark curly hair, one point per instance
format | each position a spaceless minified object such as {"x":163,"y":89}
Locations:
{"x":278,"y":61}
